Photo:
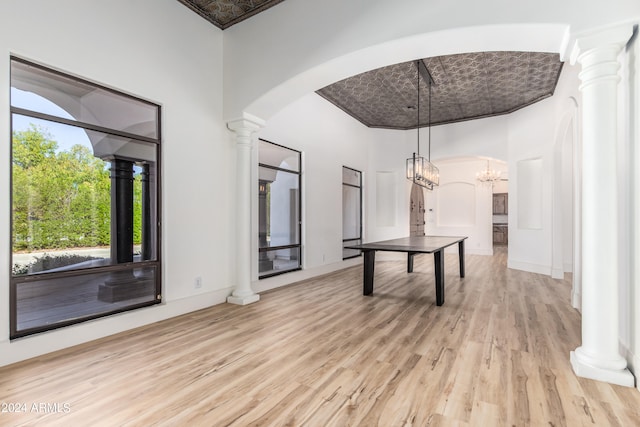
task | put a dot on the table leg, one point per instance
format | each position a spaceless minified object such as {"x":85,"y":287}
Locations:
{"x":461,"y":257}
{"x":438,"y":258}
{"x":410,"y":256}
{"x":369,"y":261}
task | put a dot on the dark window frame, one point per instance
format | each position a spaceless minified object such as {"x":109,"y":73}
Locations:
{"x":299,"y":207}
{"x":359,"y":238}
{"x":155,"y":264}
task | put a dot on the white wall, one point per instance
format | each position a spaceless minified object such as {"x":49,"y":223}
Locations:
{"x":328,"y":139}
{"x":566,"y":170}
{"x":530,"y":140}
{"x":363,"y":35}
{"x":136,"y":47}
{"x":461,"y":206}
{"x":387,"y":161}
{"x":487,"y":138}
{"x":536,"y":132}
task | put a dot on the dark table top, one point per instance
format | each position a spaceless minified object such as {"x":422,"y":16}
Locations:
{"x":419,"y":244}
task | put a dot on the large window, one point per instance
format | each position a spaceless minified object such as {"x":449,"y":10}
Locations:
{"x":279,"y":224}
{"x":85,"y":225}
{"x":351,"y":211}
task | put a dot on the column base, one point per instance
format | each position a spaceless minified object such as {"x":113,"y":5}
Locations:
{"x":583,"y":369}
{"x":244,"y":300}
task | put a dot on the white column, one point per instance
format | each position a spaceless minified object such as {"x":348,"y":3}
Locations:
{"x":244,"y":129}
{"x":599,"y":356}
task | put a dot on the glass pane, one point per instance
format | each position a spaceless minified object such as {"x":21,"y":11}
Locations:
{"x":350,"y":212}
{"x":278,"y":208}
{"x":278,"y":261}
{"x":62,"y":196}
{"x":47,"y":92}
{"x":43,"y":303}
{"x":350,"y":253}
{"x":350,"y":176}
{"x":277,"y":156}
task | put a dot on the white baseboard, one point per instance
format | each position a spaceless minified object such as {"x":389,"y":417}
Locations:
{"x":58,"y":339}
{"x":307,"y":273}
{"x":568,"y":267}
{"x":557,"y":273}
{"x":531,"y":268}
{"x":633,"y":362}
{"x":636,"y":370}
{"x":576,"y":300}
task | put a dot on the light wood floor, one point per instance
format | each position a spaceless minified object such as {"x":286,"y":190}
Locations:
{"x":320,"y":354}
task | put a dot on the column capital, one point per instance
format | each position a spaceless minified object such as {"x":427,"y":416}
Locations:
{"x":247,"y":124}
{"x":613,"y":36}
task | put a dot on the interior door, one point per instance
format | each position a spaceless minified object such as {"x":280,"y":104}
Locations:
{"x":416,"y":211}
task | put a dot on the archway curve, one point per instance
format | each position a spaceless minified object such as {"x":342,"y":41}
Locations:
{"x":508,"y":37}
{"x":566,"y":153}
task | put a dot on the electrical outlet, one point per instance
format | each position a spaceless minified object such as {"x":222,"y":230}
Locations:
{"x":197,"y":283}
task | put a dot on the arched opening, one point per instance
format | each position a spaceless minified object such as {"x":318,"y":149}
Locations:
{"x":264,"y":98}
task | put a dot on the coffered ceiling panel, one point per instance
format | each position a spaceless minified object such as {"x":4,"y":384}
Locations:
{"x":466,"y":86}
{"x":225,"y":13}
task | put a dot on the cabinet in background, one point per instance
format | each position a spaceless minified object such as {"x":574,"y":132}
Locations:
{"x":500,"y":234}
{"x":500,"y":204}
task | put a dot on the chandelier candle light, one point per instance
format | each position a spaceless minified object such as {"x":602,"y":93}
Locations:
{"x":420,"y":170}
{"x":488,"y":175}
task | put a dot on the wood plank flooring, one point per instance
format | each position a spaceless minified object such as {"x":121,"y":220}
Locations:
{"x":319,"y":353}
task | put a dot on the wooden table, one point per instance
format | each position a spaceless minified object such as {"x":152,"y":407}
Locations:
{"x":412,"y":246}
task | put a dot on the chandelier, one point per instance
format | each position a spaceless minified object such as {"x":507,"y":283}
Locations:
{"x":420,"y":170}
{"x":488,"y":175}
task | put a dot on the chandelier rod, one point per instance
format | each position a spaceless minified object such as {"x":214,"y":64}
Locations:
{"x":426,"y":75}
{"x":418,"y":121}
{"x":429,"y":123}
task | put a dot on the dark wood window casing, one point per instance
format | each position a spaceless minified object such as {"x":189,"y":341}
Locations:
{"x":85,"y":179}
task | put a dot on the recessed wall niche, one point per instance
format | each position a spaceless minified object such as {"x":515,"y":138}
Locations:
{"x":386,"y":199}
{"x":529,"y":173}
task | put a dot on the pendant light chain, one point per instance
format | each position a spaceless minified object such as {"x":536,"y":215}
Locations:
{"x":418,"y":81}
{"x":429,"y":124}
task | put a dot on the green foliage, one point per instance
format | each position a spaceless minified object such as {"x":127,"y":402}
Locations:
{"x":34,"y":148}
{"x":49,"y":262}
{"x":61,"y":199}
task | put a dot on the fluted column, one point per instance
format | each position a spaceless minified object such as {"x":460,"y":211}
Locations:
{"x":244,"y":129}
{"x":599,"y":356}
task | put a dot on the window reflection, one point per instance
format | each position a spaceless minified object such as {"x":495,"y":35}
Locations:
{"x":279,"y":221}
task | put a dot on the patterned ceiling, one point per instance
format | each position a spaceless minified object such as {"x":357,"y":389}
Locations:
{"x":466,"y":86}
{"x":225,"y":13}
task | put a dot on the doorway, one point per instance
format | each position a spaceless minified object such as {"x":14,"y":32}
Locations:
{"x":416,"y":211}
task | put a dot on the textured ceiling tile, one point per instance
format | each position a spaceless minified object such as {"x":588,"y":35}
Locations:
{"x":466,"y":86}
{"x":224,"y":13}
